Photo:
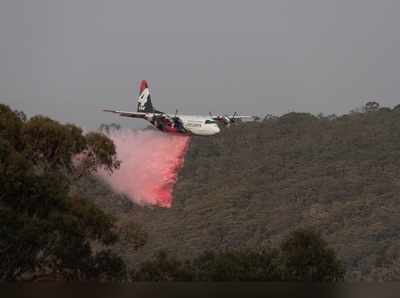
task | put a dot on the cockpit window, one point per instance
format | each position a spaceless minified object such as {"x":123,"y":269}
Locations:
{"x":210,"y":121}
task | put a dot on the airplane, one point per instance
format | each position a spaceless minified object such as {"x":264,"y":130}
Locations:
{"x":174,"y":123}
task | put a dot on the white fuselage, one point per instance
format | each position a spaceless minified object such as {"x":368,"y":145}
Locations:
{"x":196,"y":125}
{"x":200,"y":125}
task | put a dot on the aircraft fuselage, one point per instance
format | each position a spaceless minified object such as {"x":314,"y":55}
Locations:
{"x":185,"y":124}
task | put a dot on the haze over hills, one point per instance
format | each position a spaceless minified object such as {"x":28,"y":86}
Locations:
{"x":254,"y":183}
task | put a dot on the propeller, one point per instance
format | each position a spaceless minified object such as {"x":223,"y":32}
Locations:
{"x":231,"y":119}
{"x":225,"y":119}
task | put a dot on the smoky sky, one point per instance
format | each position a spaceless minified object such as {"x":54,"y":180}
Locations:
{"x":70,"y":59}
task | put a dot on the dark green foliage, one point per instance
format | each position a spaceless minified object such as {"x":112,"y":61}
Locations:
{"x":303,"y":256}
{"x":10,"y":125}
{"x":242,"y":265}
{"x":306,"y":257}
{"x":396,"y":108}
{"x":108,"y":266}
{"x":21,"y":242}
{"x":51,"y":143}
{"x":46,"y":230}
{"x":54,"y":146}
{"x":163,"y":268}
{"x":100,"y":150}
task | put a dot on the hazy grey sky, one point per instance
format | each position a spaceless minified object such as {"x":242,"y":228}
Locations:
{"x":69,"y":59}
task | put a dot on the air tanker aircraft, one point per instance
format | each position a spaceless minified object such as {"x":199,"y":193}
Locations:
{"x":174,"y":123}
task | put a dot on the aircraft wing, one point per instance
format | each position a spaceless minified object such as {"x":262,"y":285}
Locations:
{"x":234,"y":117}
{"x":240,"y":117}
{"x":129,"y":114}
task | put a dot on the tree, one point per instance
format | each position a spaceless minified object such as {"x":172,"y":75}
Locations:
{"x":396,"y":108}
{"x":10,"y":125}
{"x":45,"y":228}
{"x":306,"y":257}
{"x":53,"y":146}
{"x":302,"y":256}
{"x":163,"y":268}
{"x":233,"y":265}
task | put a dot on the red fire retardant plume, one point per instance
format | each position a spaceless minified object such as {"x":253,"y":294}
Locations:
{"x":150,"y":161}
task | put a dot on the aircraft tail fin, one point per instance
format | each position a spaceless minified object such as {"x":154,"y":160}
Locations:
{"x":144,"y":99}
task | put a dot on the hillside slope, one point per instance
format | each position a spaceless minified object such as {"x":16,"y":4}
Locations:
{"x":255,"y":182}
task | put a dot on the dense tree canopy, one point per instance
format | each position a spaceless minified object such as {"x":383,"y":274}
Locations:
{"x":302,"y":256}
{"x":46,"y":229}
{"x":306,"y":257}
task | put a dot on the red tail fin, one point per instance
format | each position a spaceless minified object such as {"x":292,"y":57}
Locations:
{"x":143,"y":85}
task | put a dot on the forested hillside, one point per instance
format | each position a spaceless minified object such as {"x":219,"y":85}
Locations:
{"x":254,"y":183}
{"x":275,"y":199}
